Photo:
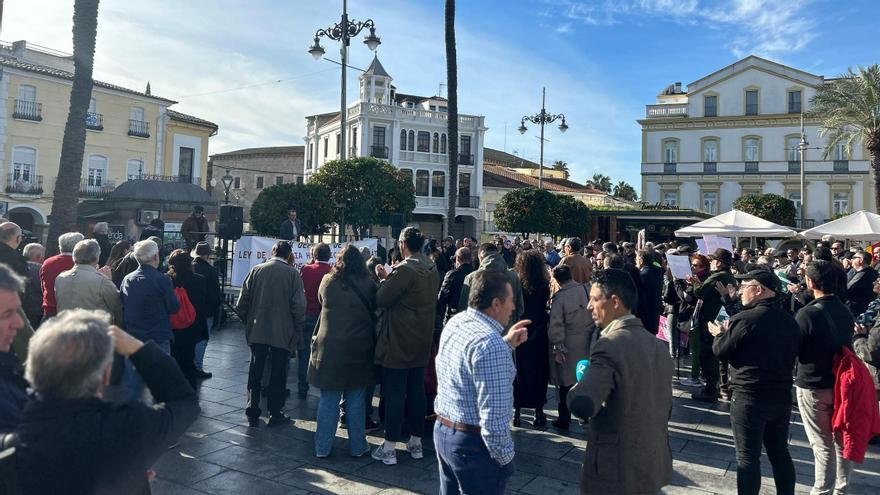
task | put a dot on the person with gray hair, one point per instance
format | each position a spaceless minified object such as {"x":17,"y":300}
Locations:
{"x":84,"y":287}
{"x":10,"y":238}
{"x":148,"y":302}
{"x":33,"y":293}
{"x":13,"y":388}
{"x":101,"y":233}
{"x":115,"y":444}
{"x":53,"y":267}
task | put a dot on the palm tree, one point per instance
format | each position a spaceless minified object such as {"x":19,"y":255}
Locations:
{"x":849,"y":110}
{"x":560,"y":165}
{"x":66,"y":196}
{"x":624,"y":190}
{"x":452,"y":88}
{"x":601,"y":182}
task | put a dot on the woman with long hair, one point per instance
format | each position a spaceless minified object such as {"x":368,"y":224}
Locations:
{"x":183,"y":347}
{"x":341,"y":362}
{"x":532,"y":356}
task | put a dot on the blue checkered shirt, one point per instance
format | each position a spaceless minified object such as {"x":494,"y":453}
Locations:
{"x":475,"y":372}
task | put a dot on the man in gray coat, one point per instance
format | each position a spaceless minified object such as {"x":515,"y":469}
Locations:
{"x":626,"y":393}
{"x":84,"y":287}
{"x":272,"y":304}
{"x":491,"y":259}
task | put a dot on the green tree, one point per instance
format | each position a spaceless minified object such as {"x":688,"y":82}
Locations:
{"x":624,"y":190}
{"x":771,"y":207}
{"x":65,"y":198}
{"x":560,"y":165}
{"x":452,"y":109}
{"x":314,"y":209}
{"x":368,"y":191}
{"x":601,"y":182}
{"x":528,"y":210}
{"x":574,"y":217}
{"x":849,"y":110}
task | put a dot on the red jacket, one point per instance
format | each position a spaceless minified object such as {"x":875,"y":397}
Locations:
{"x":50,"y":270}
{"x":856,"y":417}
{"x":312,"y":275}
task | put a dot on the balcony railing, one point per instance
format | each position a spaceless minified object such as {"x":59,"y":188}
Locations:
{"x":96,"y":188}
{"x":468,"y":202}
{"x":841,"y":165}
{"x":167,"y":178}
{"x":794,"y":166}
{"x":138,"y":128}
{"x":751,"y":166}
{"x":669,"y":168}
{"x":379,"y":151}
{"x":808,"y":223}
{"x":710,"y":167}
{"x":19,"y":185}
{"x":465,"y":159}
{"x":28,"y":110}
{"x":669,"y":110}
{"x":94,"y":121}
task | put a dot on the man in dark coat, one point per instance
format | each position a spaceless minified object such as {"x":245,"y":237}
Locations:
{"x":290,"y":229}
{"x":95,"y":446}
{"x":195,"y":228}
{"x":450,"y":290}
{"x":626,"y":393}
{"x":761,"y":344}
{"x":155,"y":229}
{"x":100,"y":233}
{"x":860,"y":288}
{"x":10,"y":238}
{"x":650,"y":285}
{"x":13,"y":388}
{"x":213,"y":301}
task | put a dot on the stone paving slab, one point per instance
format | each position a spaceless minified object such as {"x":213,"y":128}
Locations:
{"x":220,"y":454}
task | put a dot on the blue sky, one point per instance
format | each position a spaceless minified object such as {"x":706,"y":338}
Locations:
{"x":601,"y":60}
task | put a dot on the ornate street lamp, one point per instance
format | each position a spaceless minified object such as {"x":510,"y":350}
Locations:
{"x":227,"y":183}
{"x":343,"y":31}
{"x":542,"y":118}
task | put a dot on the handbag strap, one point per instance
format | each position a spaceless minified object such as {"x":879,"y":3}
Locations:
{"x":363,"y":299}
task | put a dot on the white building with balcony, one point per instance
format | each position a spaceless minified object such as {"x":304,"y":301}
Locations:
{"x":411,"y":133}
{"x":736,"y":132}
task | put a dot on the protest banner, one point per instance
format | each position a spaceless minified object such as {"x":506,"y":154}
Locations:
{"x":253,"y":250}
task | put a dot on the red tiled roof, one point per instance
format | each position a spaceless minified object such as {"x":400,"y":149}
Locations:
{"x":497,"y":176}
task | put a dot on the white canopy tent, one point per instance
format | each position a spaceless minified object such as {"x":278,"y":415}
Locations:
{"x":859,"y":226}
{"x":736,"y":223}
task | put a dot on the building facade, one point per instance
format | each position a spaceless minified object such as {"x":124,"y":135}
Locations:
{"x":252,"y":170}
{"x":131,"y":135}
{"x":735,"y":132}
{"x":410,"y":132}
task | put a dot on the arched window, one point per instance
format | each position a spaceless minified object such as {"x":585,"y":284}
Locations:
{"x":411,"y":144}
{"x":710,"y":150}
{"x":751,"y":149}
{"x":97,"y":173}
{"x":435,"y":143}
{"x":443,"y":144}
{"x":670,"y":151}
{"x":134,"y":168}
{"x":438,"y":184}
{"x":24,"y":163}
{"x":791,"y":148}
{"x":403,"y":140}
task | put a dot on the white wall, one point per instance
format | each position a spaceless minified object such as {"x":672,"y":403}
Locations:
{"x":730,"y":191}
{"x":772,"y":95}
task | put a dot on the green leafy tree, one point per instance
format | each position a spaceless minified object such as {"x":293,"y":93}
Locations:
{"x":601,"y":182}
{"x":314,"y":209}
{"x":849,"y":110}
{"x":367,"y":191}
{"x":574,"y":217}
{"x":528,"y":210}
{"x":771,"y":207}
{"x":560,"y":165}
{"x":624,"y":190}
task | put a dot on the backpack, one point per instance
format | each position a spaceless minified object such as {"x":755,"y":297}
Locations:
{"x":186,"y":315}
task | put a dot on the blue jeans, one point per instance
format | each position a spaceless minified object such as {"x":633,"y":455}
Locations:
{"x":328,"y":418}
{"x":202,"y":346}
{"x":465,"y":464}
{"x":132,"y":384}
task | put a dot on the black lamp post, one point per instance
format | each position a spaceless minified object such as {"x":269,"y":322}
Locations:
{"x":343,"y":31}
{"x":227,"y":183}
{"x":542,"y":118}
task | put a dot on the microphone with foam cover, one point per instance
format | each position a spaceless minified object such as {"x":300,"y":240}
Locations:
{"x":582,"y":366}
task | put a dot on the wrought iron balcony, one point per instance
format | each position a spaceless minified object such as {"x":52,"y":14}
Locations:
{"x":710,"y":167}
{"x":808,"y":223}
{"x":465,"y":159}
{"x":167,"y":178}
{"x":94,"y":121}
{"x":379,"y":152}
{"x":32,"y":184}
{"x":751,"y":166}
{"x":669,"y":168}
{"x":96,"y":188}
{"x":28,"y":110}
{"x":468,"y":202}
{"x":841,"y":165}
{"x":138,"y":128}
{"x":794,"y":166}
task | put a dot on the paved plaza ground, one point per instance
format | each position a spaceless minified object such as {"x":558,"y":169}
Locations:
{"x":219,"y":454}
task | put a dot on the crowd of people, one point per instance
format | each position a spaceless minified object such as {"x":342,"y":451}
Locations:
{"x":458,"y":335}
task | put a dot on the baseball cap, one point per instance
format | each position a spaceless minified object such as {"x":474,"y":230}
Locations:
{"x":765,"y":277}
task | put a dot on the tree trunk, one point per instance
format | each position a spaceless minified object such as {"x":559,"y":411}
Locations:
{"x":66,"y":195}
{"x":873,"y":145}
{"x":452,"y":94}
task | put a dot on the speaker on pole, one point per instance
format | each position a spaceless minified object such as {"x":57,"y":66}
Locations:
{"x":231,"y":222}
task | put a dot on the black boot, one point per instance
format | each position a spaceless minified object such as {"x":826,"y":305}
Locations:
{"x":540,"y":420}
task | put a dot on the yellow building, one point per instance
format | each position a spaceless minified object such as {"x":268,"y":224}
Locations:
{"x":130,"y":135}
{"x":520,"y":165}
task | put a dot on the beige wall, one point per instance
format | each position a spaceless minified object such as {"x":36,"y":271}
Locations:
{"x":187,"y":135}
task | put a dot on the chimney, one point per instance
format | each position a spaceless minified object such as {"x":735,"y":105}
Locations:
{"x":678,"y":88}
{"x":18,"y":48}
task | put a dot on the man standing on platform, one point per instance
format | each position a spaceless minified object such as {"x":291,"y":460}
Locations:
{"x":195,"y":228}
{"x":290,"y":228}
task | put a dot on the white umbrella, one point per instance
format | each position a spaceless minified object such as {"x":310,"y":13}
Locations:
{"x":736,"y":223}
{"x":859,"y":226}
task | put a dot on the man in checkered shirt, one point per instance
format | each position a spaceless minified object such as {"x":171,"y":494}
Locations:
{"x":474,"y":404}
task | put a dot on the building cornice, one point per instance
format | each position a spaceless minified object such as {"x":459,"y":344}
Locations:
{"x":734,"y":122}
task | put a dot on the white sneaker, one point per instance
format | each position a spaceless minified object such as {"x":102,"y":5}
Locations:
{"x":690,"y":382}
{"x":415,"y":450}
{"x":388,"y":457}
